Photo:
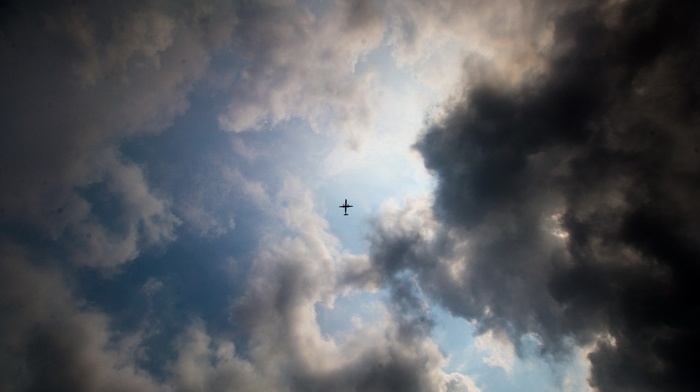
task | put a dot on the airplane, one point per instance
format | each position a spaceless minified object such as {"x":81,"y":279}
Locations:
{"x":346,"y":206}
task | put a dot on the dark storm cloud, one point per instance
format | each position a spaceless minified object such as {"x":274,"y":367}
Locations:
{"x":569,"y":204}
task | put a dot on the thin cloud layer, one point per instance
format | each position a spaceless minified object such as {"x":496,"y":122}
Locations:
{"x":567,"y":205}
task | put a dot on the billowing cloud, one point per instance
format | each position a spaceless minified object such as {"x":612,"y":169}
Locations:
{"x":564,"y":216}
{"x":431,"y":39}
{"x":303,"y":269}
{"x":566,"y":204}
{"x":302,"y":63}
{"x":78,"y":80}
{"x":52,"y":341}
{"x":206,"y":364}
{"x":497,"y":350}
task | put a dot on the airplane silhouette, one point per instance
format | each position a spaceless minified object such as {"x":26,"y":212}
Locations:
{"x":346,"y":206}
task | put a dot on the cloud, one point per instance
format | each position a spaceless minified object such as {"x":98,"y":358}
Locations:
{"x":52,"y":341}
{"x":322,"y":86}
{"x":298,"y":268}
{"x":565,"y":206}
{"x":79,"y":79}
{"x":565,"y":210}
{"x":208,"y":203}
{"x":151,"y":287}
{"x":204,"y":363}
{"x":498,"y":352}
{"x":85,"y":87}
{"x":431,"y":39}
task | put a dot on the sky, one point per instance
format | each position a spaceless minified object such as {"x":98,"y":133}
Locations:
{"x":524,"y":175}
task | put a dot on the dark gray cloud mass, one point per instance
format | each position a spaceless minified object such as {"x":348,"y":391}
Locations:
{"x":569,"y":205}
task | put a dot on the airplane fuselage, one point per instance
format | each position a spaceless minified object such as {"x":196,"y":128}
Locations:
{"x":345,"y":207}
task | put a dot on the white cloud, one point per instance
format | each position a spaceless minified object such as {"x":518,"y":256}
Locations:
{"x":302,"y":63}
{"x":433,"y":36}
{"x":497,"y":350}
{"x":205,"y":364}
{"x":457,"y":382}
